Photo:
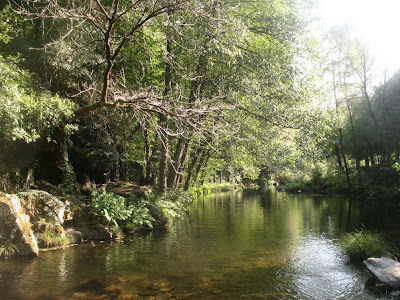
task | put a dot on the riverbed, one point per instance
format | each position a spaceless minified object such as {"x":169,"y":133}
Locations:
{"x":235,"y":245}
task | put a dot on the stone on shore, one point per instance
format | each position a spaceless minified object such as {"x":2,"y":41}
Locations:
{"x":15,"y":226}
{"x":42,"y":204}
{"x":385,"y":270}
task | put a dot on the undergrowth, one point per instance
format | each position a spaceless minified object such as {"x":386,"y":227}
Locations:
{"x":118,"y":213}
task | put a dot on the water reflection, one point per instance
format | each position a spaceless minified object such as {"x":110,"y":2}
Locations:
{"x":230,"y":246}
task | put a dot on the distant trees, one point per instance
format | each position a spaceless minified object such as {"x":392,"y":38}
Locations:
{"x":363,"y":112}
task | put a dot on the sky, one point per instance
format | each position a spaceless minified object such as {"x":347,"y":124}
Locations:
{"x":375,"y":21}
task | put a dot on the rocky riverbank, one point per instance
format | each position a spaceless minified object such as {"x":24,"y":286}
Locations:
{"x":36,"y":219}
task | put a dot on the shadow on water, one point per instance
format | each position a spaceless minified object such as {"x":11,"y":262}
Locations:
{"x":247,"y":245}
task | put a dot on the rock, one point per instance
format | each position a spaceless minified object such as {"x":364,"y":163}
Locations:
{"x":42,"y":204}
{"x":75,"y":233}
{"x":15,"y":226}
{"x":385,"y":270}
{"x":95,"y":232}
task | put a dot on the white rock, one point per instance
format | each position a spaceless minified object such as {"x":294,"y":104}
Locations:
{"x":385,"y":270}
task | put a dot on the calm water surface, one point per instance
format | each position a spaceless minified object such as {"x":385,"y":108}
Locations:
{"x":230,"y":246}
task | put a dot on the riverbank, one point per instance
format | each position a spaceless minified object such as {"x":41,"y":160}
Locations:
{"x":97,"y":213}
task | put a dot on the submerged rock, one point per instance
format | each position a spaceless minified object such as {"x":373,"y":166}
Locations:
{"x":15,"y":226}
{"x":385,"y":270}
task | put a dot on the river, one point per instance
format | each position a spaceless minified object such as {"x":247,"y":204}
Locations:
{"x":242,"y":245}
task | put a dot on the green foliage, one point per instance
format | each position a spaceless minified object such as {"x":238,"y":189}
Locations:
{"x":8,"y":250}
{"x":171,"y":210}
{"x":136,"y":213}
{"x":140,"y":216}
{"x":364,"y":243}
{"x":295,"y":186}
{"x":172,"y":205}
{"x":206,"y":189}
{"x":336,"y":183}
{"x":222,"y":187}
{"x":111,"y":207}
{"x":27,"y":112}
{"x":8,"y":24}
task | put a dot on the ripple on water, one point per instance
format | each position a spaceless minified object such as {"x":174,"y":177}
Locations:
{"x":319,"y":270}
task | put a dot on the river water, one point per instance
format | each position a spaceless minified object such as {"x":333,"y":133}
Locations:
{"x":230,"y":246}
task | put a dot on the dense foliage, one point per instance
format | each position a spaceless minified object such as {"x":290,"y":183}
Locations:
{"x":26,"y":112}
{"x":179,"y":94}
{"x":191,"y":91}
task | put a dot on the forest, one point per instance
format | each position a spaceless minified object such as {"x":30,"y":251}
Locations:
{"x":178,"y":94}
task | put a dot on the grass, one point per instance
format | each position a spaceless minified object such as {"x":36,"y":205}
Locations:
{"x":364,"y":243}
{"x":53,"y":238}
{"x":8,"y":250}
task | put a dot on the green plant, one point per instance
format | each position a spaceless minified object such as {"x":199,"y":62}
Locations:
{"x":396,"y":166}
{"x":171,"y":210}
{"x":206,"y":189}
{"x":294,"y":186}
{"x":56,"y":237}
{"x":26,"y":111}
{"x":140,"y":215}
{"x":171,"y":205}
{"x":43,"y":223}
{"x":111,"y":207}
{"x":8,"y":250}
{"x":364,"y":243}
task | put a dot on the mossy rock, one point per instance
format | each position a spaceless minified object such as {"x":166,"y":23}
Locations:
{"x":15,"y":226}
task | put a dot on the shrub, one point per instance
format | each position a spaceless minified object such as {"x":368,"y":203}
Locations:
{"x":364,"y":243}
{"x":141,"y":215}
{"x":294,"y":186}
{"x":137,"y":213}
{"x":172,"y":204}
{"x":111,"y":207}
{"x":171,"y":210}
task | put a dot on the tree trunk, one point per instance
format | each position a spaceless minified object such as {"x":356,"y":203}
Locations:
{"x":147,"y":155}
{"x":382,"y":135}
{"x":339,"y":160}
{"x":346,"y":167}
{"x":176,"y":162}
{"x":372,"y":160}
{"x":203,"y":167}
{"x":354,"y":142}
{"x":180,"y":152}
{"x":181,"y":165}
{"x":200,"y":164}
{"x":194,"y":157}
{"x":162,"y":174}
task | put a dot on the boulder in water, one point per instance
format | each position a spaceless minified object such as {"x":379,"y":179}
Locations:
{"x":385,"y":270}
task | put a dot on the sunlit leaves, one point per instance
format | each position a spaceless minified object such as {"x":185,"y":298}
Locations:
{"x":27,"y":112}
